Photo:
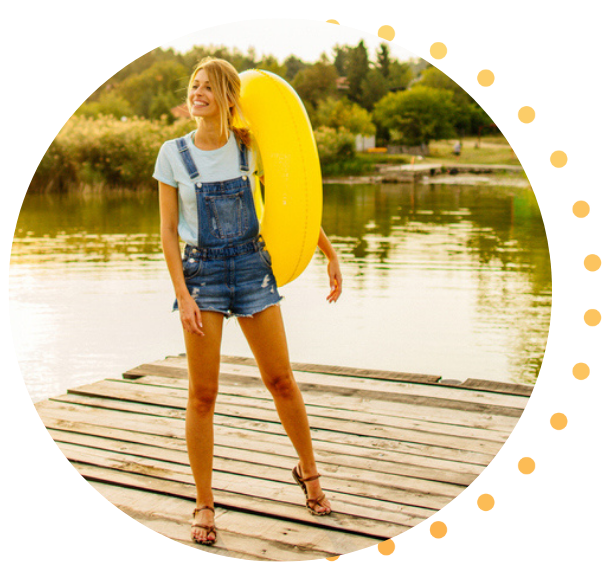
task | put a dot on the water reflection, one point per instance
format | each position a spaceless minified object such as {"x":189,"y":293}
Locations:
{"x":468,"y":264}
{"x":495,"y":232}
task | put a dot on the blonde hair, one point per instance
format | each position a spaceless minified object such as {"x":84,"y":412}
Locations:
{"x":226,"y":87}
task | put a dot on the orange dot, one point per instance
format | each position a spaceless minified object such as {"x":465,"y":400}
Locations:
{"x":526,"y":114}
{"x":559,"y":421}
{"x":438,"y":530}
{"x":526,"y":465}
{"x":485,"y":502}
{"x":593,"y":262}
{"x":486,"y":78}
{"x":581,"y":209}
{"x":386,"y":548}
{"x":593,"y":317}
{"x":438,"y":50}
{"x":387,"y":32}
{"x":332,"y":558}
{"x":558,"y":158}
{"x":332,"y":22}
{"x":580,"y":371}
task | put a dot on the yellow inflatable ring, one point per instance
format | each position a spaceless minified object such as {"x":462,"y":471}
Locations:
{"x":292,"y":212}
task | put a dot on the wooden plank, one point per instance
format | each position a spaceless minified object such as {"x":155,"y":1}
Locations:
{"x":330,"y":459}
{"x":346,"y":408}
{"x":366,"y":524}
{"x":173,"y":428}
{"x":369,"y":481}
{"x":344,"y":371}
{"x":483,"y":385}
{"x":63,"y":416}
{"x":498,"y":387}
{"x":477,"y":384}
{"x":351,"y":423}
{"x":365,"y":483}
{"x":445,"y":393}
{"x":434,"y":415}
{"x":440,"y":396}
{"x":240,"y":535}
{"x":393,"y":449}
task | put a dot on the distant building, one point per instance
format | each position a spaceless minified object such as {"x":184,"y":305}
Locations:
{"x":342,"y":83}
{"x":365,"y":142}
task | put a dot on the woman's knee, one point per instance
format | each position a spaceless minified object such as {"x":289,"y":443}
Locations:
{"x":282,"y":385}
{"x":202,"y":396}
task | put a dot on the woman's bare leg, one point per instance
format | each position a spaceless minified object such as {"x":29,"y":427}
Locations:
{"x":267,"y":339}
{"x":203,"y":355}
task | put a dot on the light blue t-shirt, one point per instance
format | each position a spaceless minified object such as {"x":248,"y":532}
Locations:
{"x":217,"y":165}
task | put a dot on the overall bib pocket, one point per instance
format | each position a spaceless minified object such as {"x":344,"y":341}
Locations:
{"x":227,"y":215}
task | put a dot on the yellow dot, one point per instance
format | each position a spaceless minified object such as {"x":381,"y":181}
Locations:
{"x":581,"y":209}
{"x":580,"y":371}
{"x":526,"y":114}
{"x":593,"y":317}
{"x":386,"y":548}
{"x":558,"y":159}
{"x":332,"y":558}
{"x":526,"y":465}
{"x":332,"y":22}
{"x":559,"y":421}
{"x":386,"y":32}
{"x":438,"y":530}
{"x":486,"y":78}
{"x":485,"y":502}
{"x":593,"y":262}
{"x":438,"y":50}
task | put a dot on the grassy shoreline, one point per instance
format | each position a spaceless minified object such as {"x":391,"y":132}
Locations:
{"x":110,"y":154}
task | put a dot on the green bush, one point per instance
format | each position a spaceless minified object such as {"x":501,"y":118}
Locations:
{"x":122,"y":154}
{"x":105,"y":150}
{"x":334,"y":144}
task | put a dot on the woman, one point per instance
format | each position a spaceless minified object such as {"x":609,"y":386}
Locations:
{"x":205,"y":191}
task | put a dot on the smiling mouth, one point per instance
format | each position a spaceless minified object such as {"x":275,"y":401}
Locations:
{"x":200,"y":104}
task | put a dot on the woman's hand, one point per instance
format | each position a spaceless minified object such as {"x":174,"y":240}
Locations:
{"x":335,"y":279}
{"x":190,"y":315}
{"x":168,"y":207}
{"x":334,"y":272}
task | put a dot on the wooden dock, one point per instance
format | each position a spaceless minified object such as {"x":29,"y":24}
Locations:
{"x":393,"y":448}
{"x":408,"y":173}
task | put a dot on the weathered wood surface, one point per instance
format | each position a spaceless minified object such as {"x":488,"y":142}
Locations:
{"x":393,"y":448}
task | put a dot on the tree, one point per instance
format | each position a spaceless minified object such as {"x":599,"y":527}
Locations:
{"x":316,"y":83}
{"x":383,"y":60}
{"x":417,"y":115}
{"x":374,"y":87}
{"x":357,"y":68}
{"x":340,"y":61}
{"x":338,"y":114}
{"x":110,"y":103}
{"x":469,"y":115}
{"x":271,"y":64}
{"x":293,"y":65}
{"x":165,"y":77}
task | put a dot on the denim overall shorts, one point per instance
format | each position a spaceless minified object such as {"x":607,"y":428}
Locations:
{"x":229,"y":271}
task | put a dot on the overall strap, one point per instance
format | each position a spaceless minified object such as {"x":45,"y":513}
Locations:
{"x":185,"y":155}
{"x":243,"y":155}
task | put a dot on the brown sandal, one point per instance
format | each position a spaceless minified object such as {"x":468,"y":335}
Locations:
{"x":208,"y":529}
{"x":309,"y":503}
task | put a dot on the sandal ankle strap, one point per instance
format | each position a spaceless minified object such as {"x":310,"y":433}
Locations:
{"x":312,"y":478}
{"x":205,"y":507}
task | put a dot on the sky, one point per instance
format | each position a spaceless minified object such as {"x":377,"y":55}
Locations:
{"x":281,"y":38}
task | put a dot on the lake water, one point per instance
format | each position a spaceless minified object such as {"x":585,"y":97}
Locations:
{"x":451,"y":280}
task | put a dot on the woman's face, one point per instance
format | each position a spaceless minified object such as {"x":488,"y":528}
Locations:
{"x":201,"y":98}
